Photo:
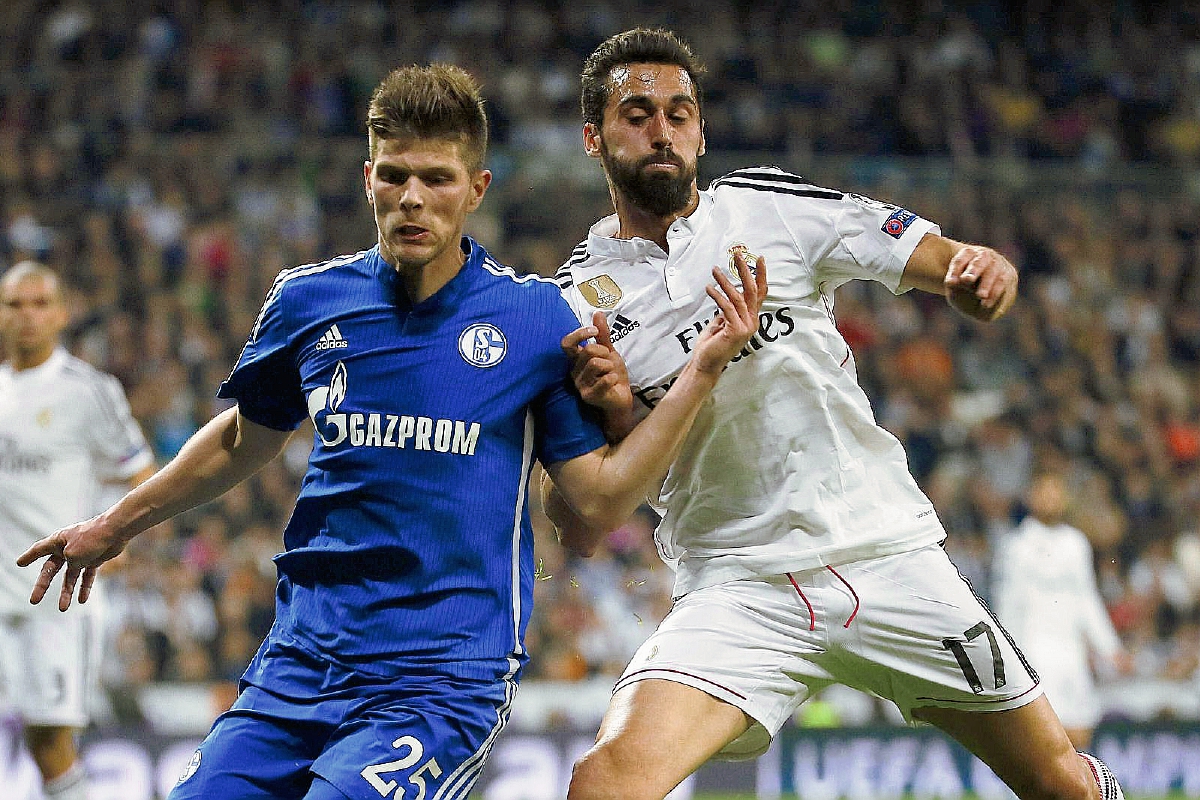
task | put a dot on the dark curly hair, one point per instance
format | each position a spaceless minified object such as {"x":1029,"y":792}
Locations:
{"x":637,"y":46}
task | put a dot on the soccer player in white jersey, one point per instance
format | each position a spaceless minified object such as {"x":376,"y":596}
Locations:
{"x":1046,"y":594}
{"x":433,"y":377}
{"x":804,"y":552}
{"x":65,"y":431}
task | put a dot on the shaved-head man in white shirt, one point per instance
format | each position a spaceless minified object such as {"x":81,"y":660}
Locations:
{"x":65,"y":431}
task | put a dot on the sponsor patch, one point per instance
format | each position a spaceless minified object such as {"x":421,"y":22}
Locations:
{"x":601,"y":292}
{"x":898,"y":222}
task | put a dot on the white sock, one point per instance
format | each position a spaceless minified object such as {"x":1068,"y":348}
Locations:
{"x":1109,"y":788}
{"x":71,"y":785}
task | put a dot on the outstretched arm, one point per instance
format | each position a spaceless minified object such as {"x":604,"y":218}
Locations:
{"x":977,"y":281}
{"x":602,"y":489}
{"x":228,"y":449}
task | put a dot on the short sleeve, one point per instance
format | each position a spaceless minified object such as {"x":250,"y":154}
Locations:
{"x":265,"y":382}
{"x":565,"y":426}
{"x":875,"y":241}
{"x":117,"y":441}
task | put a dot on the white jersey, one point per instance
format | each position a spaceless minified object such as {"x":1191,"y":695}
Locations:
{"x":785,"y":467}
{"x":65,"y":429}
{"x":1046,"y":597}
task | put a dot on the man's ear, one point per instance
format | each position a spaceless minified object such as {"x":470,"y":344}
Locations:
{"x":592,"y":143}
{"x":703,"y":141}
{"x":479,"y":184}
{"x":367,"y":182}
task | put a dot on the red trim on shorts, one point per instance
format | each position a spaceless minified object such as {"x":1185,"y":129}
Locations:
{"x":628,"y":678}
{"x":853,"y":594}
{"x":812,"y":618}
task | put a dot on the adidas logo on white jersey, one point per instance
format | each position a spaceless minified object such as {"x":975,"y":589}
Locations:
{"x":331,"y":339}
{"x":621,"y":326}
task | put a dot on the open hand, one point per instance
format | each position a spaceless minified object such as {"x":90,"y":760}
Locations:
{"x":737,"y":318}
{"x":600,"y":376}
{"x":81,"y":548}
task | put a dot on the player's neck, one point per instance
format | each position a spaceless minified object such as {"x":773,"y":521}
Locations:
{"x":21,"y":360}
{"x":423,"y":281}
{"x":636,"y":222}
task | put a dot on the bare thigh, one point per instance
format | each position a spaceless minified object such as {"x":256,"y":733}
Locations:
{"x":1026,"y":747}
{"x":654,"y":734}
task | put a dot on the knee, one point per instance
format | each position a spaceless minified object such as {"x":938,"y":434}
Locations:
{"x":592,"y":776}
{"x":52,"y":748}
{"x":46,"y":741}
{"x":1069,"y":780}
{"x":601,"y":774}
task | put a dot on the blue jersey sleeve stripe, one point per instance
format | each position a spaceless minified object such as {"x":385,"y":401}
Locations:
{"x":297,"y":272}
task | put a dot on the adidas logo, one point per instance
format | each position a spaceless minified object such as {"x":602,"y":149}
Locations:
{"x":331,"y":339}
{"x":622,"y":326}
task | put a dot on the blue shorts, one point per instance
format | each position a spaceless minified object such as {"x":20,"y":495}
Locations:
{"x":419,"y":737}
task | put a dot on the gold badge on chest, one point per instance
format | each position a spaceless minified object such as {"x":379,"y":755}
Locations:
{"x":601,"y":291}
{"x":44,"y":417}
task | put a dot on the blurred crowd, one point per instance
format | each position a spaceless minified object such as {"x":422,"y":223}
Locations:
{"x":170,"y":157}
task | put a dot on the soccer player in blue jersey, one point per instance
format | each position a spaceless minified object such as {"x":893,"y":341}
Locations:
{"x":434,"y":377}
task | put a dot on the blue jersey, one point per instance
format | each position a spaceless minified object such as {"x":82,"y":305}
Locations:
{"x":410,"y":544}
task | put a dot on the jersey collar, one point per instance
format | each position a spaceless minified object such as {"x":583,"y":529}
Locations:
{"x":603,"y":241}
{"x":50,"y":366}
{"x":455,"y":288}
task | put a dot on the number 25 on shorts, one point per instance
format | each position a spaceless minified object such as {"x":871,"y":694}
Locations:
{"x":375,"y":773}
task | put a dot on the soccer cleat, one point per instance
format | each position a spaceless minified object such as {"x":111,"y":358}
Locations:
{"x":1109,"y":788}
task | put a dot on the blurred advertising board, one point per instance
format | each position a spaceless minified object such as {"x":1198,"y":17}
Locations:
{"x":1151,"y":760}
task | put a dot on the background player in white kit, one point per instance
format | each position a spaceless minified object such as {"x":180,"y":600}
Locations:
{"x":805,"y":554}
{"x":1046,"y":594}
{"x":65,"y":431}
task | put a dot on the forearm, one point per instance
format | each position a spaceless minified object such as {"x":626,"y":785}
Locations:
{"x":217,"y":457}
{"x":617,"y":482}
{"x":617,"y":423}
{"x":976,"y":281}
{"x":572,"y":531}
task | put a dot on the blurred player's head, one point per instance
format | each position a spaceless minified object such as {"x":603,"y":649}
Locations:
{"x":427,"y":134}
{"x":1048,"y":498}
{"x":33,"y":313}
{"x":641,"y":102}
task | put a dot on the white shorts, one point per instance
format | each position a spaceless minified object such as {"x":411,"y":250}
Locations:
{"x":905,"y":627}
{"x":48,"y":664}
